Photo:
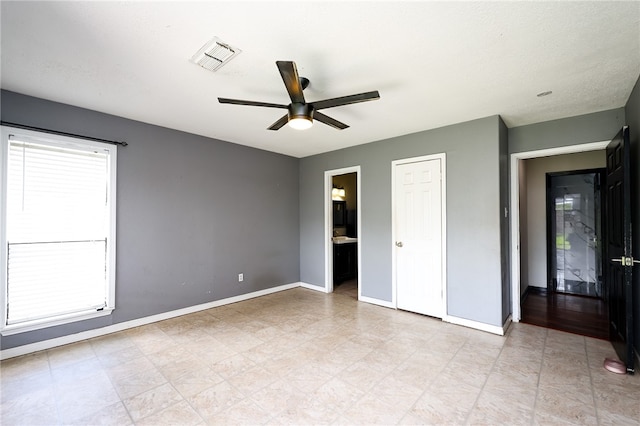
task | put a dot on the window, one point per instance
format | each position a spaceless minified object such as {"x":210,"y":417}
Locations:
{"x":58,"y":229}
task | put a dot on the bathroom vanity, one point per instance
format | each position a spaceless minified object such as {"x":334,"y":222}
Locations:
{"x":345,"y":259}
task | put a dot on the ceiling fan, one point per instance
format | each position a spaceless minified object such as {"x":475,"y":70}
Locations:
{"x":300,"y":114}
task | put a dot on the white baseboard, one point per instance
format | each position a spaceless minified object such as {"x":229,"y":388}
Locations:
{"x":90,"y":334}
{"x":376,"y":302}
{"x":360,"y":298}
{"x":494,"y":329}
{"x":314,"y":287}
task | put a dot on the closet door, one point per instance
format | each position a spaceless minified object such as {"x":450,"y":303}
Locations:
{"x":418,"y":231}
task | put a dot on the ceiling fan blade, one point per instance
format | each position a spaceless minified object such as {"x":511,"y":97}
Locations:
{"x":329,"y":121}
{"x":289,"y":74}
{"x":346,"y":100}
{"x":278,"y":124}
{"x":250,"y":103}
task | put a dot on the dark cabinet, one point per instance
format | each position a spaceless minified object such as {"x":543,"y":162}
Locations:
{"x":344,"y":262}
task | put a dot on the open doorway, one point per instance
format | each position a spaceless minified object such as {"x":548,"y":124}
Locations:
{"x":529,"y":236}
{"x":342,"y":230}
{"x":573,"y":299}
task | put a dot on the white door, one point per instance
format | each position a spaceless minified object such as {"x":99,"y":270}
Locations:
{"x":418,"y":232}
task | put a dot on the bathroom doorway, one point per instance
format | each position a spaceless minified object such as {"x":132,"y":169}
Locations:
{"x":342,"y":230}
{"x":345,"y":234}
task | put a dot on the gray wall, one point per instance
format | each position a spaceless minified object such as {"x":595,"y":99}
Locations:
{"x":596,"y":127}
{"x":473,"y":214}
{"x":632,"y":110}
{"x":192,"y":213}
{"x":190,"y":219}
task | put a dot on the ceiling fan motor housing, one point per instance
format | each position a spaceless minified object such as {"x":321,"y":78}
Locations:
{"x":300,"y":110}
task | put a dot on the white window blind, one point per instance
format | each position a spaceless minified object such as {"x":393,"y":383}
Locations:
{"x":58,"y":229}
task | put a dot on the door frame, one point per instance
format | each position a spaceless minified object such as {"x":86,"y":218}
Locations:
{"x":516,"y":314}
{"x":443,"y":224}
{"x":328,"y":225}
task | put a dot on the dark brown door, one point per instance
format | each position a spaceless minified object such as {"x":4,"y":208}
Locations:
{"x":618,"y":285}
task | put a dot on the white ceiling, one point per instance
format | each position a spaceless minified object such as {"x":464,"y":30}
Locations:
{"x":434,"y":63}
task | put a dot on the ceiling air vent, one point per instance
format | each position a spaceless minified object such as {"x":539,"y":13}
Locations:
{"x":214,"y":54}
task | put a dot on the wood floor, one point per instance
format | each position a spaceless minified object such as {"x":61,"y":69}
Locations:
{"x":586,"y":316}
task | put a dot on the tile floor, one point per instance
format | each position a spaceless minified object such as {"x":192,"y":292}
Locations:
{"x":304,"y":357}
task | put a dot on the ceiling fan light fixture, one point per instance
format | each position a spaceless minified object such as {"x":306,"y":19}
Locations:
{"x":301,"y":123}
{"x":300,"y":116}
{"x":215,"y":54}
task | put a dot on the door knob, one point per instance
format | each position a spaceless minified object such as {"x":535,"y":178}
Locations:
{"x":398,"y":243}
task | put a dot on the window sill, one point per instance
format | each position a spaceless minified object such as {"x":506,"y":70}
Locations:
{"x":51,"y":322}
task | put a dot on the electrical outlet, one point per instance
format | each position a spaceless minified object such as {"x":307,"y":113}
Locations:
{"x":240,"y":277}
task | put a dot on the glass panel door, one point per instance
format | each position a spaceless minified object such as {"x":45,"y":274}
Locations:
{"x":575,"y":255}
